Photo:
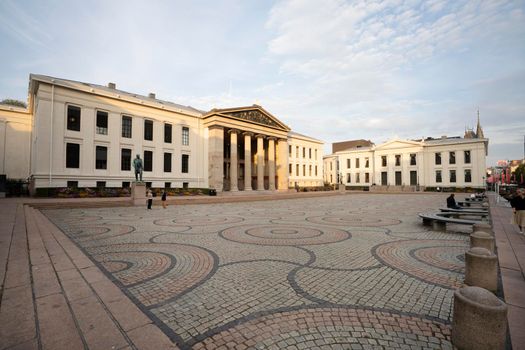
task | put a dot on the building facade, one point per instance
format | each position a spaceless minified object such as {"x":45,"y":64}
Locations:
{"x":87,"y":135}
{"x":411,"y":165}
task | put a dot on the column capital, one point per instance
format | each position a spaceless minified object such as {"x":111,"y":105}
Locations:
{"x":234,"y":131}
{"x":272,"y":138}
{"x":247,"y":133}
{"x":260,"y":136}
{"x":216,"y":127}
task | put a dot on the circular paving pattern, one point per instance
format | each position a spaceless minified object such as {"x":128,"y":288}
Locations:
{"x":199,"y":220}
{"x":90,"y":233}
{"x":433,"y":261}
{"x":287,"y":235}
{"x":332,"y":328}
{"x":353,"y":220}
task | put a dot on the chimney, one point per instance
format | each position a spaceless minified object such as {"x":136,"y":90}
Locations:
{"x":112,"y":86}
{"x":151,"y":95}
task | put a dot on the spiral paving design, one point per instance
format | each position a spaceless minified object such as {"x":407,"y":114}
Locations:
{"x":353,"y":220}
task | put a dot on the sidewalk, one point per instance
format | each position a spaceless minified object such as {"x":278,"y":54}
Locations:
{"x":511,"y":254}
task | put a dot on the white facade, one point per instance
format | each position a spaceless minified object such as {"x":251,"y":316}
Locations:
{"x":445,"y":162}
{"x":15,"y":135}
{"x":305,"y":161}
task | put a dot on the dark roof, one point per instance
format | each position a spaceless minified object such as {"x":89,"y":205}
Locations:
{"x":352,"y":144}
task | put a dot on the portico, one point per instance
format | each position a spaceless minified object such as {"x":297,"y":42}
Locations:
{"x":247,"y":150}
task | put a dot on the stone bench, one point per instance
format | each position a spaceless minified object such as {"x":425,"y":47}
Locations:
{"x":439,"y":222}
{"x":459,"y":212}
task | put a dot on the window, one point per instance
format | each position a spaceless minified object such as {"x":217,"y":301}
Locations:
{"x":148,"y":184}
{"x":148,"y":130}
{"x":467,"y":157}
{"x":101,"y":184}
{"x":101,"y":157}
{"x":438,"y":176}
{"x":357,"y":179}
{"x":167,"y":133}
{"x":413,"y":178}
{"x":126,"y":184}
{"x":167,"y":185}
{"x":310,"y":153}
{"x":167,"y":162}
{"x":73,"y":118}
{"x":290,"y":151}
{"x":316,"y":170}
{"x":315,"y":154}
{"x":290,"y":169}
{"x":72,"y":155}
{"x":185,"y":136}
{"x":367,"y":177}
{"x":185,"y":185}
{"x":296,"y":151}
{"x":309,"y":170}
{"x":398,"y":159}
{"x":185,"y":163}
{"x":384,"y":178}
{"x":452,"y":176}
{"x":367,"y":162}
{"x":452,"y":158}
{"x":126,"y":126}
{"x":398,"y":178}
{"x":437,"y":158}
{"x":348,"y":178}
{"x":72,"y":184}
{"x":383,"y":160}
{"x":357,"y":162}
{"x":304,"y":170}
{"x":296,"y":169}
{"x":468,"y":175}
{"x":148,"y":160}
{"x":330,"y":165}
{"x":304,"y":152}
{"x":348,"y":163}
{"x":102,"y":123}
{"x":412,"y":159}
{"x":125,"y":159}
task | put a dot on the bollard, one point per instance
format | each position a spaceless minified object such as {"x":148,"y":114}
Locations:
{"x":482,"y":239}
{"x":481,"y":269}
{"x":482,"y":227}
{"x":479,"y":320}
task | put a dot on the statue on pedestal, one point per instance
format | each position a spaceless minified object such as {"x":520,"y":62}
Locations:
{"x":137,"y":165}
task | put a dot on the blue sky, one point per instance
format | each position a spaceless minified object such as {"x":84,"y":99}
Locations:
{"x":332,"y":69}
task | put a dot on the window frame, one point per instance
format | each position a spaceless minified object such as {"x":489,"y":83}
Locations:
{"x":167,"y":164}
{"x":122,"y":164}
{"x":148,"y":161}
{"x":148,"y":133}
{"x":124,"y":127}
{"x":185,"y":164}
{"x":70,"y":126}
{"x":101,"y":164}
{"x":68,"y":157}
{"x":100,"y":130}
{"x":185,"y":136}
{"x":168,"y":136}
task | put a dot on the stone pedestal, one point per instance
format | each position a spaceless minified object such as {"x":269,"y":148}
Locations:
{"x":483,"y":227}
{"x":481,"y":269}
{"x":482,"y":239}
{"x":479,"y":320}
{"x":439,"y":226}
{"x":138,"y":193}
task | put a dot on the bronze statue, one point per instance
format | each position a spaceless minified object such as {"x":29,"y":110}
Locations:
{"x":137,"y":164}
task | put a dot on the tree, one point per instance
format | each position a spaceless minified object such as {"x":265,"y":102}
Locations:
{"x":519,"y":174}
{"x":12,"y":102}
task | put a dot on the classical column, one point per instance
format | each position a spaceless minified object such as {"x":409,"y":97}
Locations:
{"x":271,"y":163}
{"x":260,"y":162}
{"x":282,"y":164}
{"x":247,"y":161}
{"x":216,"y":157}
{"x":233,"y":160}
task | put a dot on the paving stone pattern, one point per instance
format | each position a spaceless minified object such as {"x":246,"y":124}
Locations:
{"x":340,"y":272}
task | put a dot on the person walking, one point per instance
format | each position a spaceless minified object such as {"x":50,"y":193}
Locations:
{"x":163,"y":199}
{"x":518,"y":207}
{"x":149,"y":197}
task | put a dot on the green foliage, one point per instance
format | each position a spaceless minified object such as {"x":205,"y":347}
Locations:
{"x":12,"y":102}
{"x":519,"y":172}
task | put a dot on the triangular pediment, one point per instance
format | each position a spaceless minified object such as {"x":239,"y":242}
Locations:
{"x":396,"y":144}
{"x":253,"y":114}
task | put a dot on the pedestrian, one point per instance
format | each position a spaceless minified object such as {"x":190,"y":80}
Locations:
{"x":518,"y":208}
{"x":451,"y":202}
{"x":163,"y":199}
{"x":149,"y":197}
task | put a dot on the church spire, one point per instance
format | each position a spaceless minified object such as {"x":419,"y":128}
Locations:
{"x":479,"y":129}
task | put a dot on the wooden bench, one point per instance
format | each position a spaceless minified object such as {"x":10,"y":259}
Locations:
{"x":439,"y":220}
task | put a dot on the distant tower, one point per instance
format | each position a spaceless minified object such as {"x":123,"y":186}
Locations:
{"x":479,"y":130}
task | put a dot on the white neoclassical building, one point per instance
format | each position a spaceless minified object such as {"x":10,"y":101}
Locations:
{"x":452,"y":162}
{"x":87,"y":135}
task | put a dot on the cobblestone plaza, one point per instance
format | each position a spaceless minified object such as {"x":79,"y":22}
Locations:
{"x":353,"y":271}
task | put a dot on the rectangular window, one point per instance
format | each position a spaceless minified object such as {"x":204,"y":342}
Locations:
{"x":72,"y":155}
{"x":296,"y":151}
{"x":296,"y":169}
{"x":438,"y":176}
{"x":73,"y":118}
{"x":304,"y":152}
{"x":101,"y":157}
{"x":467,"y":157}
{"x":316,"y":170}
{"x":330,"y":165}
{"x":304,"y":170}
{"x":185,"y":185}
{"x":185,"y":136}
{"x":167,"y":185}
{"x":367,"y":162}
{"x":290,"y":169}
{"x":167,"y":133}
{"x":290,"y":151}
{"x":185,"y":163}
{"x":167,"y":162}
{"x":309,"y":170}
{"x":384,"y":178}
{"x":348,"y":163}
{"x":101,"y":184}
{"x":310,"y":153}
{"x":383,"y":160}
{"x":357,"y":179}
{"x":437,"y":158}
{"x":468,"y":175}
{"x":398,"y":159}
{"x":126,"y":184}
{"x":452,"y":158}
{"x":413,"y":178}
{"x":348,"y":178}
{"x":367,"y":177}
{"x":102,"y":123}
{"x":72,"y":184}
{"x":148,"y":130}
{"x":412,"y":159}
{"x":398,"y":178}
{"x":357,"y":162}
{"x":148,"y":161}
{"x":125,"y":159}
{"x":148,"y":184}
{"x":452,"y":176}
{"x":126,"y":126}
{"x":316,"y":154}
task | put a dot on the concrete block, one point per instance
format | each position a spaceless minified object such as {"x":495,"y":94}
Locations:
{"x":482,"y":239}
{"x":481,"y":269}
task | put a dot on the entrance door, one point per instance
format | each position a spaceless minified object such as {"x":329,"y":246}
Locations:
{"x":413,"y":178}
{"x":384,"y":178}
{"x":398,"y":178}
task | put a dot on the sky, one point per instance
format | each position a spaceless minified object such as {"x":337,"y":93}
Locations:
{"x":334,"y":70}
